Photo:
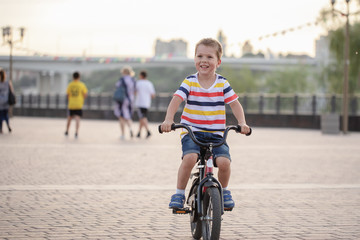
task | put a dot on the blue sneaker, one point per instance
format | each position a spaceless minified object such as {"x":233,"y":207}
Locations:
{"x":177,"y":201}
{"x":228,"y":201}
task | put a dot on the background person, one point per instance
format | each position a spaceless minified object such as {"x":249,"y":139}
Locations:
{"x":76,"y":94}
{"x":145,"y":91}
{"x":5,"y":87}
{"x":123,"y":110}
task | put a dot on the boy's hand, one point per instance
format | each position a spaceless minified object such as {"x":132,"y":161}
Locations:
{"x":166,"y":126}
{"x":245,"y":129}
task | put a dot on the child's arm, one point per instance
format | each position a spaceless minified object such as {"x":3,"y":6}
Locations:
{"x":238,"y":112}
{"x":170,"y":113}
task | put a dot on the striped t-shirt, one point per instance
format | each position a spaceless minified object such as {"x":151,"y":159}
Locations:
{"x":205,"y":108}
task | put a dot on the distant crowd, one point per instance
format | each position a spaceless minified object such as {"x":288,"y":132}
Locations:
{"x":129,"y":94}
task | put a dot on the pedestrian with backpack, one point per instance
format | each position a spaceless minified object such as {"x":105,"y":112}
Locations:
{"x":5,"y":88}
{"x":124,"y":98}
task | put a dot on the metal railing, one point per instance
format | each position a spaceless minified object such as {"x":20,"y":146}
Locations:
{"x":286,"y":104}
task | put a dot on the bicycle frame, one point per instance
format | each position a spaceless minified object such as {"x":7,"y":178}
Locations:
{"x":205,"y":197}
{"x":206,"y":181}
{"x":205,"y":153}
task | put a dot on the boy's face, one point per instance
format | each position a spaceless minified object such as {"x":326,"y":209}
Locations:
{"x":206,"y":60}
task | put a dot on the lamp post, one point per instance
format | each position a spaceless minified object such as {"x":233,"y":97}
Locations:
{"x":346,"y":66}
{"x":7,"y":34}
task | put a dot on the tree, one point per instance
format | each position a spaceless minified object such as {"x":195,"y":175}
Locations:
{"x":293,"y":80}
{"x":333,"y":74}
{"x":337,"y":40}
{"x":242,"y":81}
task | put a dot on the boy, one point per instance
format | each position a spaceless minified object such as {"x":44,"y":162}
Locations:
{"x":145,"y":91}
{"x":76,"y":93}
{"x":206,"y":94}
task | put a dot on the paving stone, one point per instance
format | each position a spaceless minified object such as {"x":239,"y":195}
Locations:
{"x":287,"y":184}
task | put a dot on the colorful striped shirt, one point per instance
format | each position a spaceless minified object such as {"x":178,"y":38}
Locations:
{"x":205,"y":108}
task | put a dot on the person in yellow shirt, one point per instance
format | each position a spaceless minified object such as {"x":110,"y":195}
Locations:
{"x":76,"y":94}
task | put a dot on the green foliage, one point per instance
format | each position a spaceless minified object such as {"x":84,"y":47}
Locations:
{"x":292,"y":80}
{"x":168,"y":79}
{"x":333,"y":75}
{"x":165,"y":79}
{"x":241,"y":80}
{"x":336,"y":70}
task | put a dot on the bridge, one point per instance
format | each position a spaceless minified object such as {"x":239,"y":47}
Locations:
{"x":53,"y":73}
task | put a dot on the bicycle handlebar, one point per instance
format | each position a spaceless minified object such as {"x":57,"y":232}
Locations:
{"x":191,"y":134}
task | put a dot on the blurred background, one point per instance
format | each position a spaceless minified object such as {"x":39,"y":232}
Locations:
{"x":282,"y":57}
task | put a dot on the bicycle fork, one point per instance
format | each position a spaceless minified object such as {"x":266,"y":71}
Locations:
{"x":208,"y":182}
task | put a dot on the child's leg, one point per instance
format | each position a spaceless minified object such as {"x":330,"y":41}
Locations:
{"x":224,"y":172}
{"x":77,"y":123}
{"x":122,"y":126}
{"x":68,"y":122}
{"x":187,"y":164}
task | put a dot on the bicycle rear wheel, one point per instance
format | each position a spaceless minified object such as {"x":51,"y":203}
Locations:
{"x":211,"y":222}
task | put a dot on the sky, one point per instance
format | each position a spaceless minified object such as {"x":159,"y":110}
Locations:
{"x":131,"y":27}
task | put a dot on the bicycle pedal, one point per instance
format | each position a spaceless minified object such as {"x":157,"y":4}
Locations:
{"x":181,"y":210}
{"x":228,"y":209}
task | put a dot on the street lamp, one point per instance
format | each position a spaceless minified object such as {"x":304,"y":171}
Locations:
{"x":346,"y":66}
{"x":7,"y":34}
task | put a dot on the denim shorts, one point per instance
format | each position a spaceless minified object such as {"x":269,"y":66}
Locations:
{"x":188,"y":145}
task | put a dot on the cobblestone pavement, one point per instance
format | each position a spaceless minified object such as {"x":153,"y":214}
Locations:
{"x":287,"y":184}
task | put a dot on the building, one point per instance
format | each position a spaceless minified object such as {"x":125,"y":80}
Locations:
{"x":222,"y":39}
{"x":247,"y":48}
{"x":173,"y":48}
{"x":322,"y":48}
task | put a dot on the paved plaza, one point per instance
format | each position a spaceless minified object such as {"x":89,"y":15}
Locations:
{"x":287,"y":184}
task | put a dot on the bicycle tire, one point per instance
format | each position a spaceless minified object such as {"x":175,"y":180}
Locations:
{"x":211,"y":224}
{"x":195,"y":222}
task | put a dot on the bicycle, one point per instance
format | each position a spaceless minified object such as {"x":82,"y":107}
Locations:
{"x":205,"y":198}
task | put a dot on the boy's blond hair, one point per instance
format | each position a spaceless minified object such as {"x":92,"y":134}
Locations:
{"x":210,"y":42}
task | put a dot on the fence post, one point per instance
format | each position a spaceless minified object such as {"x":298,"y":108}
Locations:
{"x":89,"y":101}
{"x":48,"y":101}
{"x":99,"y":101}
{"x":157,"y":102}
{"x":22,"y":101}
{"x":313,"y":104}
{"x":57,"y":100}
{"x":296,"y":103}
{"x":261,"y":104}
{"x":278,"y":103}
{"x":30,"y":100}
{"x":354,"y":106}
{"x":39,"y":100}
{"x":110,"y":101}
{"x":333,"y":103}
{"x":245,"y":103}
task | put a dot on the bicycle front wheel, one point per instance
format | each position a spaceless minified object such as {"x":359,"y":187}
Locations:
{"x":195,"y":222}
{"x":211,"y":222}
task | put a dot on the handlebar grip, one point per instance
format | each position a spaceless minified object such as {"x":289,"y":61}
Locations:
{"x":249,"y":132}
{"x":172,"y":128}
{"x":239,"y":130}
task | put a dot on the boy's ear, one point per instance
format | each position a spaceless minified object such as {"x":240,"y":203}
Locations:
{"x":219,"y":62}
